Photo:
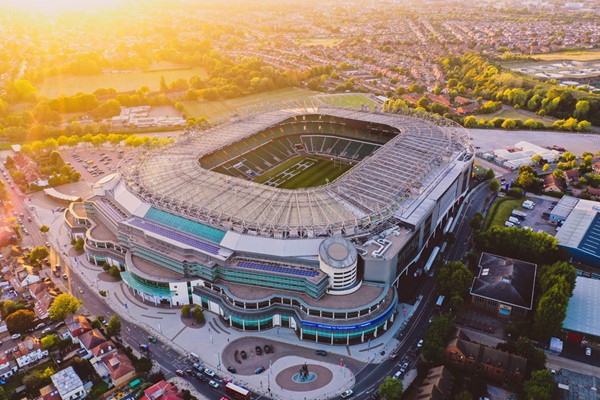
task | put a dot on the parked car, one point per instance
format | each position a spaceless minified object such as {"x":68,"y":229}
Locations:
{"x":152,"y":339}
{"x":209,"y":372}
{"x":179,"y":372}
{"x":588,"y":351}
{"x":15,"y":336}
{"x":397,"y":375}
{"x":144,"y":347}
{"x":232,"y":370}
{"x":39,"y":326}
{"x":404,"y":367}
{"x":259,"y":370}
{"x":420,"y":344}
{"x":65,"y":277}
{"x":321,"y":353}
{"x":214,"y":384}
{"x":347,"y":394}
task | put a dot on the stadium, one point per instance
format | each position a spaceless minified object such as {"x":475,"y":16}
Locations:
{"x":300,"y":216}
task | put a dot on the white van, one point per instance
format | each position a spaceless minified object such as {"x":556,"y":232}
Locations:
{"x":514,"y":220}
{"x":509,"y":224}
{"x":528,"y":204}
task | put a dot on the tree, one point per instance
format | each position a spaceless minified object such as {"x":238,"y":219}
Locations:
{"x":115,"y":272}
{"x":453,"y":279}
{"x":63,"y":306}
{"x":470,"y":122}
{"x":540,"y":386}
{"x":494,"y":185}
{"x":114,"y":326}
{"x":581,"y":109}
{"x":550,"y":313}
{"x":556,"y":273}
{"x":508,"y":124}
{"x":48,"y":341}
{"x":20,"y":321}
{"x":10,"y":307}
{"x":38,"y":253}
{"x":185,"y":311}
{"x":44,"y":228}
{"x":490,"y":174}
{"x":198,"y":314}
{"x":391,"y":388}
{"x":437,"y":338}
{"x":464,"y":395}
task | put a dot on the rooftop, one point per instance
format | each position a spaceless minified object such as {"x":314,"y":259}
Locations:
{"x":577,"y":386}
{"x":66,"y":381}
{"x":505,"y":280}
{"x":583,"y":312}
{"x":365,"y":295}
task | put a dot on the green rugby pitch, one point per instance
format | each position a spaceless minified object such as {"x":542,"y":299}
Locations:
{"x":303,"y":172}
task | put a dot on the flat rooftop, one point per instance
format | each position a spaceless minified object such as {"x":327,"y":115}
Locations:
{"x":101,"y":231}
{"x":365,"y":295}
{"x":583,"y":312}
{"x":148,"y":270}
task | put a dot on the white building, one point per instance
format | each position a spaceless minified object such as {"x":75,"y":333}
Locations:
{"x":69,"y":384}
{"x":521,"y":154}
{"x":29,"y":351}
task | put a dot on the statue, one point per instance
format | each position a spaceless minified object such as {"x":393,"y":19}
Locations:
{"x":304,"y":372}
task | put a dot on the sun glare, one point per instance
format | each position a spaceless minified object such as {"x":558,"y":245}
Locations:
{"x":61,"y":6}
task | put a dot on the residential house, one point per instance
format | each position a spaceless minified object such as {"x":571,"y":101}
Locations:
{"x":22,"y":276}
{"x":76,"y":326}
{"x":593,"y":191}
{"x":552,"y":184}
{"x":48,"y":392}
{"x":7,"y":367}
{"x":29,"y":351}
{"x":68,"y":384}
{"x":572,"y":176}
{"x":162,"y":391}
{"x":467,"y":109}
{"x":43,"y":294}
{"x":596,"y":167}
{"x":437,"y":385}
{"x":504,"y":285}
{"x":119,"y":367}
{"x":89,"y":341}
{"x":485,"y":361}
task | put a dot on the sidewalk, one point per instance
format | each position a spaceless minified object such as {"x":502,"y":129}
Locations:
{"x":166,"y":324}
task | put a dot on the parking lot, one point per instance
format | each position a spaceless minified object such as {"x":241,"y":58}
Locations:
{"x":94,"y":163}
{"x":535,"y":218}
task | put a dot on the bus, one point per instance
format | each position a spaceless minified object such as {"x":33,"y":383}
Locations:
{"x":440,"y":301}
{"x":236,"y":392}
{"x":431,"y":259}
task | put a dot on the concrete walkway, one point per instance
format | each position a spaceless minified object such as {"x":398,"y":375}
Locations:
{"x":166,"y":324}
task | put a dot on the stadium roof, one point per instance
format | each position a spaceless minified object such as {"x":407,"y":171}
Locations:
{"x":583,"y":312}
{"x":172,"y":178}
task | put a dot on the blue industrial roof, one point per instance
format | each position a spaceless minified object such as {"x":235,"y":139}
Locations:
{"x":591,"y":240}
{"x":185,"y":225}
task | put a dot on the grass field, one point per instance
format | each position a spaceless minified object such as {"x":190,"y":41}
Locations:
{"x":221,"y":108}
{"x":303,"y":172}
{"x":351,"y":100}
{"x":516,"y":114}
{"x":569,"y":55}
{"x":125,"y":81}
{"x":501,"y":210}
